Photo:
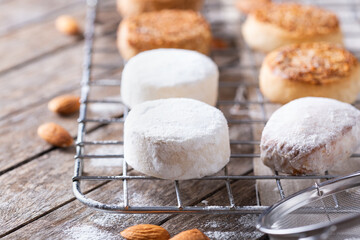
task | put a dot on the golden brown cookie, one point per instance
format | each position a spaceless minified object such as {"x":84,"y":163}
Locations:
{"x":248,"y":6}
{"x":310,"y":69}
{"x":184,"y":29}
{"x":281,"y":24}
{"x":134,"y":7}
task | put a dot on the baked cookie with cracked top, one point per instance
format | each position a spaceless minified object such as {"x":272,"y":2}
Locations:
{"x":183,"y":29}
{"x":310,"y":69}
{"x":278,"y":25}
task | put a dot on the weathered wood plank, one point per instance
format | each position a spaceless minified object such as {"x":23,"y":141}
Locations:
{"x":18,"y":14}
{"x":39,"y":81}
{"x":59,"y":71}
{"x":238,"y":226}
{"x":70,"y":220}
{"x":45,"y":183}
{"x":28,"y":43}
{"x":55,"y":74}
{"x":24,"y":125}
{"x":39,"y":40}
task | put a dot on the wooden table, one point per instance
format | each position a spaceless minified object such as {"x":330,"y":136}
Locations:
{"x":36,"y":198}
{"x":37,"y":201}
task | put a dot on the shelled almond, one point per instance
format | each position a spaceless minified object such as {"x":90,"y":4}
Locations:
{"x":65,"y":104}
{"x":193,"y":234}
{"x":67,"y":25}
{"x":145,"y":232}
{"x":55,"y":135}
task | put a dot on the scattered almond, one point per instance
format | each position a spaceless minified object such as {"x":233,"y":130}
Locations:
{"x":55,"y":135}
{"x":193,"y":234}
{"x":145,"y":232}
{"x":67,"y":25}
{"x":65,"y":104}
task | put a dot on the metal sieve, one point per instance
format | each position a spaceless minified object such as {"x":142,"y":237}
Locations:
{"x":328,"y":210}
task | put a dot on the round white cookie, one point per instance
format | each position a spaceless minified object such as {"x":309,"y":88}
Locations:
{"x":169,"y":73}
{"x":310,"y":135}
{"x":176,"y":139}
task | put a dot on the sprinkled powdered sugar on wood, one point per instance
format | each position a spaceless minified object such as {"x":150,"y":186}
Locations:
{"x":220,"y":235}
{"x":245,"y":222}
{"x":106,"y":220}
{"x":88,"y":232}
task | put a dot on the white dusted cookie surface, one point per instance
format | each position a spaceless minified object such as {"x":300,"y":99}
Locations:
{"x":176,"y":139}
{"x":169,"y":73}
{"x":310,"y":135}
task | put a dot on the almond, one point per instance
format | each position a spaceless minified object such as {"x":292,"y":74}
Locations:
{"x":55,"y":135}
{"x":193,"y":234}
{"x":65,"y":104}
{"x":145,"y":232}
{"x":67,"y":25}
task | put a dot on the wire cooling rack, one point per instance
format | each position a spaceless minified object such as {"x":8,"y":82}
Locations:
{"x":233,"y":50}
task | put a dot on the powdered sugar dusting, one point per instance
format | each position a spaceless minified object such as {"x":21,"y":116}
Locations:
{"x":245,"y":228}
{"x":165,"y":130}
{"x":309,"y":122}
{"x":298,"y":128}
{"x":109,"y":220}
{"x":87,"y":232}
{"x":223,"y":235}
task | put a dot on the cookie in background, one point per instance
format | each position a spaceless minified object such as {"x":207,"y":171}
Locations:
{"x":310,"y":69}
{"x":169,"y":73}
{"x":184,"y":29}
{"x":276,"y":25}
{"x":248,"y":6}
{"x":134,"y":7}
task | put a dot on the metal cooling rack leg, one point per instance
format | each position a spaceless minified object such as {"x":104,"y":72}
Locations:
{"x":86,"y":73}
{"x":280,"y":188}
{"x":228,"y":188}
{"x":333,"y":196}
{"x":257,"y":194}
{"x":125,"y":186}
{"x":178,"y":195}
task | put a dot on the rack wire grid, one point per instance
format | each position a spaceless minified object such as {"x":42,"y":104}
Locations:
{"x":239,"y":59}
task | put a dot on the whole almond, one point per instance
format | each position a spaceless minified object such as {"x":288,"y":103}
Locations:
{"x":55,"y":135}
{"x":65,"y":104}
{"x":145,"y":232}
{"x":67,"y":25}
{"x":193,"y":234}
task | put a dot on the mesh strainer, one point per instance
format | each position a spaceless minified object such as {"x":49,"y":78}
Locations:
{"x":329,"y":210}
